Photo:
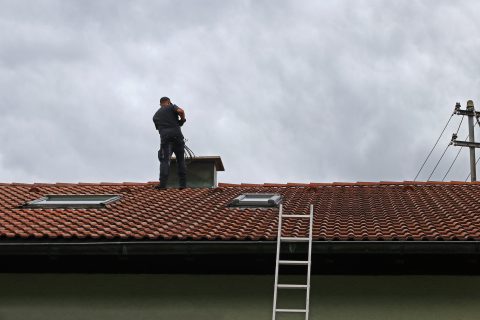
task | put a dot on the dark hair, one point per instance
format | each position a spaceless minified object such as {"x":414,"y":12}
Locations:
{"x":164,"y":99}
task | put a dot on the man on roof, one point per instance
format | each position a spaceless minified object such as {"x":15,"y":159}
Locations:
{"x":168,"y":119}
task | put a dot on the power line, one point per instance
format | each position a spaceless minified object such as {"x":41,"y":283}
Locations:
{"x":438,"y":162}
{"x":459,"y":150}
{"x":448,"y":145}
{"x":471,"y":173}
{"x":430,"y":153}
{"x":460,"y":124}
{"x":453,"y":162}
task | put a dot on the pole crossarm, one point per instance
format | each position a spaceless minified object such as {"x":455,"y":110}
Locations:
{"x":468,"y":113}
{"x":458,"y":143}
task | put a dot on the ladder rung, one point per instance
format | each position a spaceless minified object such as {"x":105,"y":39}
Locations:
{"x":295,"y":216}
{"x":294,"y":239}
{"x":290,"y":310}
{"x":292,"y":286}
{"x":293,"y":262}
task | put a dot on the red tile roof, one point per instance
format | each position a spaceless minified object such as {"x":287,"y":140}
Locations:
{"x":343,"y":211}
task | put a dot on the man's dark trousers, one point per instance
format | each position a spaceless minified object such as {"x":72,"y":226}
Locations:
{"x":172,"y":141}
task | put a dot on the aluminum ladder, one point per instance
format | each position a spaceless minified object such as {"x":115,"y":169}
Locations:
{"x":282,"y":239}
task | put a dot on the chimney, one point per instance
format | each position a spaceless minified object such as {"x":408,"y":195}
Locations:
{"x":201,"y":172}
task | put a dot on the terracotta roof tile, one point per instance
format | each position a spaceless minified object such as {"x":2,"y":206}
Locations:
{"x":343,"y":211}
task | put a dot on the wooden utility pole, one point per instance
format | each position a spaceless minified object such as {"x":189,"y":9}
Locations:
{"x":471,"y":144}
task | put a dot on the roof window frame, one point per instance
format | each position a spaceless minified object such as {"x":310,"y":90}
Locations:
{"x":271,"y":200}
{"x":45,"y":202}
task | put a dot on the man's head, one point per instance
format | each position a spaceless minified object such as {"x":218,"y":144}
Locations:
{"x":164,"y":101}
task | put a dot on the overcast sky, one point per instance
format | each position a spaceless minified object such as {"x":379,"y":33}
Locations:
{"x":283,"y":91}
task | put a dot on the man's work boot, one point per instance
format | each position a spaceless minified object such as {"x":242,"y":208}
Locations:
{"x":160,"y":187}
{"x":182,"y":182}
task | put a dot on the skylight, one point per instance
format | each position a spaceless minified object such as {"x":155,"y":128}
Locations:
{"x":257,"y":200}
{"x":73,"y":201}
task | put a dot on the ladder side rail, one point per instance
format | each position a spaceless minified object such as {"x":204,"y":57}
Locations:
{"x":279,"y":234}
{"x":310,"y":236}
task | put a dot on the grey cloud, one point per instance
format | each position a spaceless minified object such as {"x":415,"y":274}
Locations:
{"x":282,"y":90}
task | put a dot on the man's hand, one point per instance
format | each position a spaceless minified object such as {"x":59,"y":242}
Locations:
{"x":181,"y":113}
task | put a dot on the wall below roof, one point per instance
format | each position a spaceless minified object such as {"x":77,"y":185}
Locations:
{"x":225,"y":297}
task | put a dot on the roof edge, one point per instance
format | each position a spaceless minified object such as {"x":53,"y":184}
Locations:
{"x":240,"y":247}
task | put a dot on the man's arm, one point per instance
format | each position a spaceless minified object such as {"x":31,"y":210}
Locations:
{"x":181,"y":113}
{"x":155,"y":119}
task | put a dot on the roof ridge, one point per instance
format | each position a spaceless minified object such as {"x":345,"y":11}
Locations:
{"x":36,"y":184}
{"x":357,"y":183}
{"x":243,"y":184}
